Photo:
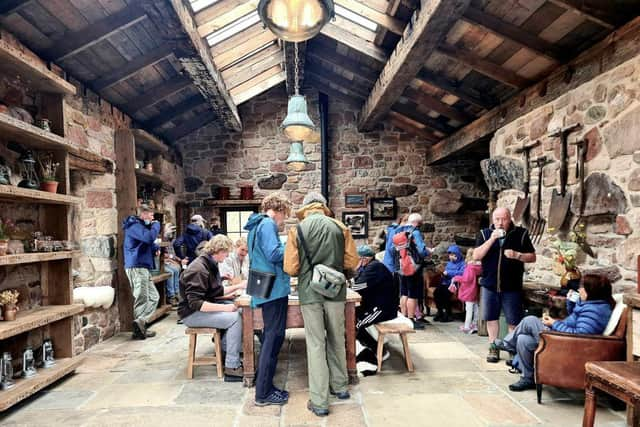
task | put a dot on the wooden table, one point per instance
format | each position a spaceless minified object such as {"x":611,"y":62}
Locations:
{"x":619,"y":379}
{"x":252,"y":320}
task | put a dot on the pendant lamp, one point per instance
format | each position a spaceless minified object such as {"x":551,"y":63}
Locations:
{"x":295,"y":20}
{"x":297,"y":160}
{"x":297,"y":126}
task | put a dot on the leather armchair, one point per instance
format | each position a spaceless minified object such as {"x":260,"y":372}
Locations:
{"x":560,"y":357}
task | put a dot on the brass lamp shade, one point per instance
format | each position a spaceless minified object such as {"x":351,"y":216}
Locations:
{"x":295,"y":20}
{"x":297,"y":126}
{"x":297,"y":160}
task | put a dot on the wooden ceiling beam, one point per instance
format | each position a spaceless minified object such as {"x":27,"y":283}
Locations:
{"x":256,"y":89}
{"x":346,"y":89}
{"x":409,"y":110}
{"x":12,"y":6}
{"x":412,"y":127}
{"x":321,"y":86}
{"x":289,"y":64}
{"x":386,"y":21}
{"x":189,"y":126}
{"x":74,"y":42}
{"x":430,"y":25}
{"x":349,"y":39}
{"x":252,"y":69}
{"x":156,"y":94}
{"x":484,"y":66}
{"x":436,"y":105}
{"x":239,"y":67}
{"x":456,"y":89}
{"x":237,"y":39}
{"x":590,"y":13}
{"x":513,"y":33}
{"x":255,"y":80}
{"x":132,"y":67}
{"x":208,"y":21}
{"x":175,"y":111}
{"x":226,"y":59}
{"x":343,"y":62}
{"x":340,"y":81}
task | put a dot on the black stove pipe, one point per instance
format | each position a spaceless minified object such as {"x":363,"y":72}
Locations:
{"x":323,"y":106}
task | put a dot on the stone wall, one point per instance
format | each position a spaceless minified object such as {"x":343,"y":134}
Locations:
{"x":608,"y":107}
{"x":384,"y":162}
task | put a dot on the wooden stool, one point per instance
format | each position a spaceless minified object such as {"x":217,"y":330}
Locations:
{"x":394,"y":328}
{"x":619,"y":379}
{"x":216,"y":359}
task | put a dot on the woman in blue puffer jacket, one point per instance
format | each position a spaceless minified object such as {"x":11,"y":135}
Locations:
{"x":588,"y":315}
{"x":266,"y":254}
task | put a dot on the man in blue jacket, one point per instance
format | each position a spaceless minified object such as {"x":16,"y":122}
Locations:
{"x":195,"y":234}
{"x":140,"y":232}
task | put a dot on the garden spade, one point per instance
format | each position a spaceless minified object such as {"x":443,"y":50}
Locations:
{"x":538,"y":223}
{"x":521,"y":209}
{"x":582,"y":154}
{"x":560,"y":201}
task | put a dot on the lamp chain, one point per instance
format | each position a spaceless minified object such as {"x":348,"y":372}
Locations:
{"x":296,"y":68}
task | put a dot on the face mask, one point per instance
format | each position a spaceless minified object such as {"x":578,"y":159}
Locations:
{"x":147,"y":222}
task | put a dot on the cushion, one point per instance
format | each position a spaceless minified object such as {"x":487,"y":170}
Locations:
{"x":615,"y":315}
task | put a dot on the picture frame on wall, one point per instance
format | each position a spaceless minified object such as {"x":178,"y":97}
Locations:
{"x":383,"y":208}
{"x":355,"y":200}
{"x":357,"y":223}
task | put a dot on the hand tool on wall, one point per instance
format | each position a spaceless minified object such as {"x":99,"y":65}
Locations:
{"x":537,"y":227}
{"x":581,"y":147}
{"x":560,"y":201}
{"x":521,"y":209}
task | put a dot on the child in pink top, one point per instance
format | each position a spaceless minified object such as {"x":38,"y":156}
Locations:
{"x":468,"y":292}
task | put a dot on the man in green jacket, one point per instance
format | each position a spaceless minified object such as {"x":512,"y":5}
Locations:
{"x":330,"y":243}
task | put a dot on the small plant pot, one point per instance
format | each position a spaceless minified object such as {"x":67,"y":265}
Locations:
{"x":50,"y":186}
{"x":9,"y":312}
{"x":4,"y":247}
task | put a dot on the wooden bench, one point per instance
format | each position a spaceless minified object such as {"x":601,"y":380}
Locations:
{"x":216,"y":359}
{"x":394,"y":328}
{"x":619,"y":379}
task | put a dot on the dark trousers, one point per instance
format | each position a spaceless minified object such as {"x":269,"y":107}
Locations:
{"x":274,"y":315}
{"x":442,"y":297}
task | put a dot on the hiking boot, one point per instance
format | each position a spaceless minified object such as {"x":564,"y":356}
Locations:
{"x":502,"y":345}
{"x":446,"y":318}
{"x":233,"y":375}
{"x":417,"y":326}
{"x":139,"y":329}
{"x":274,"y":398}
{"x":522,"y":384}
{"x":342,"y":395}
{"x":494,"y":354}
{"x":319,"y":412}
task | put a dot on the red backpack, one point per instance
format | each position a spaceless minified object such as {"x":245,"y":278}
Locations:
{"x":404,"y":246}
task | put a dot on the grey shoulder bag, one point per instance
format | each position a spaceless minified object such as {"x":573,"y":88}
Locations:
{"x":325,"y":280}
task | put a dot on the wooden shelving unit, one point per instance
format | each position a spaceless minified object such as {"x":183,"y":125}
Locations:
{"x":233,"y":203}
{"x":148,"y":142}
{"x":53,"y":315}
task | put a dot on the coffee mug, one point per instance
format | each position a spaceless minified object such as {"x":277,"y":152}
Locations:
{"x":501,"y":232}
{"x":574,"y":297}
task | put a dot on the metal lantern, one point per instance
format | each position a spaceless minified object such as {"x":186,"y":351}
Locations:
{"x":295,"y":20}
{"x":297,"y":160}
{"x":47,"y":354}
{"x":297,"y":126}
{"x":6,"y":371}
{"x":28,"y":171}
{"x":28,"y":363}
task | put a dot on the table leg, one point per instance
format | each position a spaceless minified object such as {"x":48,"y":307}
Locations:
{"x":350,"y":328}
{"x":589,"y":406}
{"x":248,"y":360}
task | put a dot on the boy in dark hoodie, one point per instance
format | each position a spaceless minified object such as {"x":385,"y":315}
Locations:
{"x":442,"y":294}
{"x":190,"y":239}
{"x":140,"y":232}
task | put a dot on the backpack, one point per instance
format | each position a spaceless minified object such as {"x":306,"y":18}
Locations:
{"x":407,"y":259}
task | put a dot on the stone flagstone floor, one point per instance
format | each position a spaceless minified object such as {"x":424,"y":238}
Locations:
{"x":143,"y":383}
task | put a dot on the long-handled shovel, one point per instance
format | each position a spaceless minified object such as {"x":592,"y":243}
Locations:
{"x":560,"y":201}
{"x":538,"y":224}
{"x":520,"y":211}
{"x":582,"y":153}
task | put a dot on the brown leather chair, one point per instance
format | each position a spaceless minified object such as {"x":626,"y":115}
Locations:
{"x":560,"y":357}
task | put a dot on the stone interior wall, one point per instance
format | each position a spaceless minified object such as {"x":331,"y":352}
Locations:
{"x":385,"y":162}
{"x":608,"y":107}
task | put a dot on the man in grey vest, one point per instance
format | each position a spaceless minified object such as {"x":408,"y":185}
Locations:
{"x":330,"y":243}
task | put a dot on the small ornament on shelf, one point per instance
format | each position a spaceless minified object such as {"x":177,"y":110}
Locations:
{"x":9,"y":302}
{"x":49,"y":168}
{"x":28,"y":363}
{"x":6,"y":371}
{"x":28,"y":171}
{"x":47,"y":354}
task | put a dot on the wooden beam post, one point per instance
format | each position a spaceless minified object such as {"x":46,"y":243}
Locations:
{"x":430,"y":25}
{"x":73,"y":42}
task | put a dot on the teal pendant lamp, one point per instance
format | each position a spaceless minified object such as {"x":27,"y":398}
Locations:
{"x":297,"y":160}
{"x":297,"y":126}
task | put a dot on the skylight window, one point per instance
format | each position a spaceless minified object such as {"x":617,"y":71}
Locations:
{"x":234,"y":28}
{"x":198,"y":5}
{"x":354,"y":17}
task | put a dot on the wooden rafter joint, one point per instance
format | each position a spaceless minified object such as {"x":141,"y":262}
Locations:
{"x":84,"y":160}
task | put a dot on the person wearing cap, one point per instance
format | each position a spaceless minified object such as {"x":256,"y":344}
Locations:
{"x":329,"y":242}
{"x":185,"y":245}
{"x":140,"y":233}
{"x":172,"y":264}
{"x":379,"y":303}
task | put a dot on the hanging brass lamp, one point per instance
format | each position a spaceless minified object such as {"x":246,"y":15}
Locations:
{"x":295,"y":20}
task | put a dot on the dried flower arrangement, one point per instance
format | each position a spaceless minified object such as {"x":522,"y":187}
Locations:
{"x":7,"y":227}
{"x":48,"y":166}
{"x":9,"y":297}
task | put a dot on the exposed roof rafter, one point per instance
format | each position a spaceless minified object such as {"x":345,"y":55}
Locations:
{"x":210,"y":19}
{"x":361,"y":8}
{"x":349,"y":39}
{"x":175,"y":111}
{"x":258,"y":84}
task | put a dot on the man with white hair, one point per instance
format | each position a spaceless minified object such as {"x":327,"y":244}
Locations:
{"x":503,"y":249}
{"x":190,"y":239}
{"x":412,"y":287}
{"x":320,"y":239}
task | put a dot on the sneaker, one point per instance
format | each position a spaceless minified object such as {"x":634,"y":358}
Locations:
{"x":446,"y":318}
{"x":502,"y":345}
{"x":342,"y":395}
{"x":522,"y":384}
{"x":139,"y":329}
{"x":173,"y":301}
{"x":417,"y":326}
{"x":283,"y":393}
{"x":233,"y":375}
{"x":437,"y":317}
{"x":494,"y":354}
{"x":319,"y":412}
{"x":386,"y":355}
{"x":423,"y":320}
{"x":274,"y":398}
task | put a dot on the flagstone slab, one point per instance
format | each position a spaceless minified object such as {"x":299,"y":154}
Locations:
{"x":134,"y":395}
{"x":212,"y":393}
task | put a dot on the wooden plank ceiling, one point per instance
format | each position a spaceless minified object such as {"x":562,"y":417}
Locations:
{"x":430,"y":68}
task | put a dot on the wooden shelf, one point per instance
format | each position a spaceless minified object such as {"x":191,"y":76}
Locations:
{"x":31,"y":136}
{"x":160,"y":311}
{"x":37,"y":317}
{"x":31,"y":70}
{"x":234,"y":202}
{"x":146,"y":176}
{"x":148,"y":142}
{"x":17,"y":194}
{"x":25,"y":387}
{"x":160,"y":277}
{"x":28,"y":258}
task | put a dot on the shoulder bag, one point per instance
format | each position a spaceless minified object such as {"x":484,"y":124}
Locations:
{"x":325,"y":280}
{"x":259,"y":283}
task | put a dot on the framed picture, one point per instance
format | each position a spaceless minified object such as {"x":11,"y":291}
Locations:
{"x":357,"y":223}
{"x":355,"y":200}
{"x":383,"y":207}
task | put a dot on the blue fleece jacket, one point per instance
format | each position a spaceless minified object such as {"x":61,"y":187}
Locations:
{"x":138,"y":242}
{"x":389,"y":250}
{"x":190,"y":239}
{"x":453,"y":268}
{"x":585,"y":317}
{"x":266,"y":253}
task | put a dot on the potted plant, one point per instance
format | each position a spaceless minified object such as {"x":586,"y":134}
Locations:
{"x":49,"y":168}
{"x":9,"y":302}
{"x":4,"y":238}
